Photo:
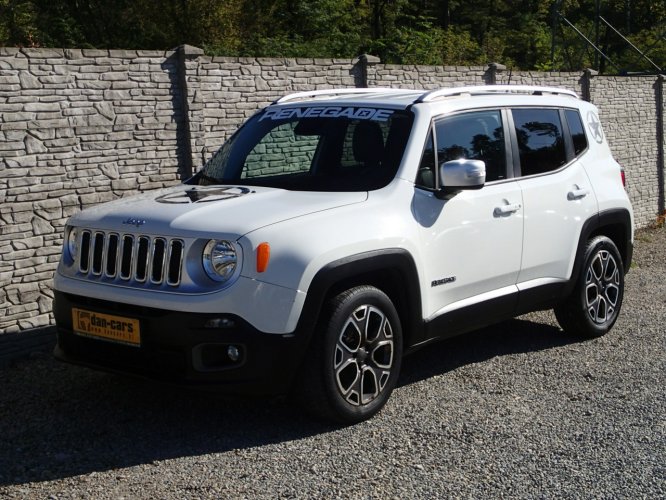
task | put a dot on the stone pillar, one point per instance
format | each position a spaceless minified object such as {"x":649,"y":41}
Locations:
{"x":586,"y":83}
{"x":365,"y":60}
{"x":659,"y":98}
{"x":193,"y":126}
{"x":491,"y":74}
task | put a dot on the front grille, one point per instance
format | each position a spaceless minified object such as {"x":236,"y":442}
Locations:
{"x":129,"y":257}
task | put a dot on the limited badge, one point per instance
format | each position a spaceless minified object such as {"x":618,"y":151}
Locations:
{"x":203,"y":194}
{"x":595,"y":126}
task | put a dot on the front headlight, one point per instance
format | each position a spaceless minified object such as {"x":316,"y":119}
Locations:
{"x":73,"y":243}
{"x":220,"y":260}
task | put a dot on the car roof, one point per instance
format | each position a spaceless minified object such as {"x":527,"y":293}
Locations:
{"x":444,"y":99}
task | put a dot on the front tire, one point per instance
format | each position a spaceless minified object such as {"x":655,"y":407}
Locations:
{"x":594,"y":304}
{"x":354,"y":360}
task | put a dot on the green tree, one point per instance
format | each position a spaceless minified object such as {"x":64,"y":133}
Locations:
{"x":515,"y":33}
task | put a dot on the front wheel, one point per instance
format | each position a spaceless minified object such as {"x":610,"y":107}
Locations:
{"x":594,"y":305}
{"x":354,"y":360}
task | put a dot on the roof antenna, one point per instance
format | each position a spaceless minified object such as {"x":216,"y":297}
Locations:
{"x":510,"y":73}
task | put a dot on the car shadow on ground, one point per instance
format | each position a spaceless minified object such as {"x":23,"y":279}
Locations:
{"x":510,"y":337}
{"x":58,"y":421}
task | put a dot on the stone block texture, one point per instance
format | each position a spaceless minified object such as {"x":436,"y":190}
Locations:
{"x":80,"y":127}
{"x":628,"y":109}
{"x":425,"y":77}
{"x":223,"y":92}
{"x":77,"y":127}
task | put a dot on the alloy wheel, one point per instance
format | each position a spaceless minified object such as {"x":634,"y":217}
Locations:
{"x":363,"y":356}
{"x":602,"y":287}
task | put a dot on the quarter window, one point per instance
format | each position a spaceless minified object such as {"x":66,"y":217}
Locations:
{"x":540,"y":140}
{"x":473,"y":136}
{"x":427,"y":176}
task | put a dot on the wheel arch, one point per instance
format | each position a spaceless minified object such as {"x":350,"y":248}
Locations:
{"x":614,"y":224}
{"x":391,"y":270}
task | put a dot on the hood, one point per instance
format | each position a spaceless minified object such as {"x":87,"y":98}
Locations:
{"x":209,"y":211}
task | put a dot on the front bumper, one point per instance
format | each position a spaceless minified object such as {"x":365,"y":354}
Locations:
{"x":176,"y":347}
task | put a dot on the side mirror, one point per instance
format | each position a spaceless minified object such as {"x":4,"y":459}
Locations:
{"x":457,"y":175}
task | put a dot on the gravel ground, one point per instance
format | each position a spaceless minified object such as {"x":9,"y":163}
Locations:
{"x":516,"y":410}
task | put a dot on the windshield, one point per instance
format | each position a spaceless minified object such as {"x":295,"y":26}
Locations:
{"x":312,"y":149}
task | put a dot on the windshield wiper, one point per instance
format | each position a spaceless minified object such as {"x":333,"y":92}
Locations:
{"x":205,"y":177}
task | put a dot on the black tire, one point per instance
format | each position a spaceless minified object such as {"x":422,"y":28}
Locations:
{"x":354,"y":359}
{"x":594,"y":304}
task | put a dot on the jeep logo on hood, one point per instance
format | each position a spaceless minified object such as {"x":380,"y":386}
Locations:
{"x":203,"y":194}
{"x":133,"y":221}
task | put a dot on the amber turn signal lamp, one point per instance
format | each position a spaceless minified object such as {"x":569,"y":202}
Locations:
{"x":263,"y":256}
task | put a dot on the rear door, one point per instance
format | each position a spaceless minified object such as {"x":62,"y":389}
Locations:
{"x":557,"y":194}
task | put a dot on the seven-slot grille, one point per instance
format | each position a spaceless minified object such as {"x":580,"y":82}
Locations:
{"x":141,"y":258}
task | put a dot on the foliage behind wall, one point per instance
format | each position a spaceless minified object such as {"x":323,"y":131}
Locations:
{"x":441,"y":32}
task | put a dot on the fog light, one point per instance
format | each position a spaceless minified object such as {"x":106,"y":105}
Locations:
{"x":233,"y":352}
{"x":219,"y":323}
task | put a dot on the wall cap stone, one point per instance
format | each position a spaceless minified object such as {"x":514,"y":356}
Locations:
{"x":190,"y":51}
{"x":369,"y":59}
{"x":42,"y":53}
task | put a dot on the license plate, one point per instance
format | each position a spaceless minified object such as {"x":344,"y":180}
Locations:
{"x":106,"y":326}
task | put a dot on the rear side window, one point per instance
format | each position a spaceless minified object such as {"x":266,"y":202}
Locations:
{"x":540,"y":140}
{"x":577,"y":131}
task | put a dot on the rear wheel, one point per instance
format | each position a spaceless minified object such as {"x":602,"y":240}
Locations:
{"x":594,"y":305}
{"x":354,"y":361}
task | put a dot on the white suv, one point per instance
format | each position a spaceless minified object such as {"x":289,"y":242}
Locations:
{"x":338,"y":230}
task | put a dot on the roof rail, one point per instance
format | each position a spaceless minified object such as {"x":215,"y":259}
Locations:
{"x":492,"y":89}
{"x":334,"y":92}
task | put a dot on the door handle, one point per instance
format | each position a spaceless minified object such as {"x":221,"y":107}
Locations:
{"x":577,"y":193}
{"x":507,"y":209}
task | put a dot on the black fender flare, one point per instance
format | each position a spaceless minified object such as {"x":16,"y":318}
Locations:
{"x":351,"y":270}
{"x":614,"y":218}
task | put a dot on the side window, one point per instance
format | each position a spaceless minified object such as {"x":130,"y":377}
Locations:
{"x":540,"y":140}
{"x":473,"y":136}
{"x":427,"y":176}
{"x":577,"y":131}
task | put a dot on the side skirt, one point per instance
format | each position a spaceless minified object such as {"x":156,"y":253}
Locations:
{"x":469,"y":318}
{"x":489,"y":312}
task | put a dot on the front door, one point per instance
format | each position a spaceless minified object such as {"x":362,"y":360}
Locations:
{"x":472,"y":241}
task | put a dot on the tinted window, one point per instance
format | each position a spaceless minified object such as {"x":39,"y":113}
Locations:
{"x":473,"y":136}
{"x":312,"y":148}
{"x":540,"y":140}
{"x":577,"y":131}
{"x":281,"y":151}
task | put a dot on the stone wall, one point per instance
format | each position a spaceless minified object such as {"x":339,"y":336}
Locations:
{"x":426,"y":77}
{"x":79,"y":127}
{"x":628,"y":108}
{"x":225,"y":91}
{"x":571,"y":81}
